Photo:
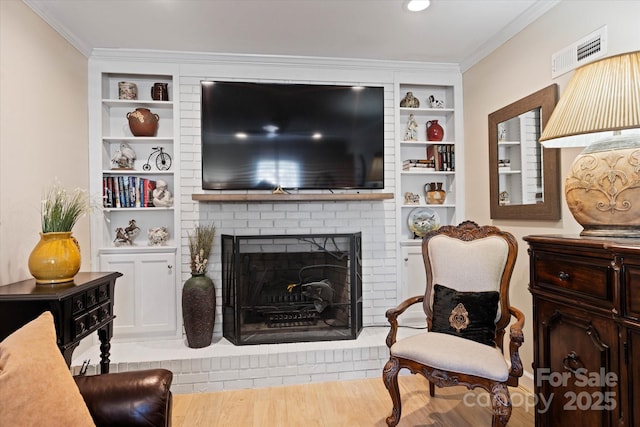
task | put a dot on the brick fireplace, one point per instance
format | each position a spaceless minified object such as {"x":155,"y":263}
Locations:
{"x":291,"y":288}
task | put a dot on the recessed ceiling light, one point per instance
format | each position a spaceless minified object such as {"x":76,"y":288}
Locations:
{"x":418,"y":5}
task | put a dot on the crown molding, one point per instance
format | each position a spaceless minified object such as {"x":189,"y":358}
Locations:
{"x":514,"y":27}
{"x":180,"y":57}
{"x":41,"y":8}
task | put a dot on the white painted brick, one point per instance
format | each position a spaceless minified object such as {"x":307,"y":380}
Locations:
{"x":252,"y":373}
{"x":339,"y":367}
{"x":202,"y":377}
{"x":224,"y":375}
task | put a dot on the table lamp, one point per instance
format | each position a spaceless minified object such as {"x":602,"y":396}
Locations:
{"x":600,"y":110}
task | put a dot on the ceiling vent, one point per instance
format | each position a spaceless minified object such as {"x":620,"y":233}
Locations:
{"x":583,"y":51}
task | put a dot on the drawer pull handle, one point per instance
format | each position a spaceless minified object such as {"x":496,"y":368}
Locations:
{"x":563,"y":276}
{"x":571,"y":362}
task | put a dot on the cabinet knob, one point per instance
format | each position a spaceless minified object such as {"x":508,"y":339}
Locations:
{"x":563,"y":276}
{"x":571,"y":362}
{"x":406,"y":259}
{"x":169,"y":266}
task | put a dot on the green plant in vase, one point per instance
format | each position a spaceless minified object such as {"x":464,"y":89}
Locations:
{"x":56,"y":257}
{"x":198,"y":292}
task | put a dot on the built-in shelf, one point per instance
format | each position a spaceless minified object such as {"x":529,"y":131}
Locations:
{"x":289,"y":197}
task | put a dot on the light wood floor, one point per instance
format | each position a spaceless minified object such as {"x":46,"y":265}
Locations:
{"x":345,"y":403}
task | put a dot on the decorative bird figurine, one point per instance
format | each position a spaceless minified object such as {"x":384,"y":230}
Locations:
{"x":124,"y":157}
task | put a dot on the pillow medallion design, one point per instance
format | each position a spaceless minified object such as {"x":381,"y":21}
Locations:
{"x":469,"y":315}
{"x":459,"y":318}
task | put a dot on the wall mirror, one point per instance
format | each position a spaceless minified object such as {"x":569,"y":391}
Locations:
{"x":523,"y":176}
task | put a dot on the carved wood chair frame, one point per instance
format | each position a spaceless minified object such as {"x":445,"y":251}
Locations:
{"x":501,"y":400}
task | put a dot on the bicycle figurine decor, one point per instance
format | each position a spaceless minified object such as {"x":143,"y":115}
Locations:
{"x":163,"y":160}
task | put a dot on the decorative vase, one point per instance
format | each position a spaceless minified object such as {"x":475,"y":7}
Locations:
{"x":434,"y":131}
{"x":198,"y":310}
{"x":55,"y":259}
{"x":434,"y":194}
{"x":143,"y":122}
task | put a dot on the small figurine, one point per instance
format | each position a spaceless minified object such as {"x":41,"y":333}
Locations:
{"x":121,"y":238}
{"x":124,"y":157}
{"x":410,"y":101}
{"x":411,"y":134}
{"x":161,"y":195}
{"x":435,"y":103}
{"x":411,"y":198}
{"x":502,"y":132}
{"x":125,"y":236}
{"x":158,"y":236}
{"x":504,"y":199}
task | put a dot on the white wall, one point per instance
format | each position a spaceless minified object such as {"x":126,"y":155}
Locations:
{"x":519,"y":67}
{"x":43,"y":131}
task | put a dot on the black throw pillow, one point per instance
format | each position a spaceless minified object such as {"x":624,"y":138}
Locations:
{"x":469,"y":315}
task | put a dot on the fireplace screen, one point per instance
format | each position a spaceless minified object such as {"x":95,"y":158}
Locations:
{"x":291,"y":288}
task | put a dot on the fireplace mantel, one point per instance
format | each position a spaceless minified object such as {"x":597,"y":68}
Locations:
{"x":269,"y":197}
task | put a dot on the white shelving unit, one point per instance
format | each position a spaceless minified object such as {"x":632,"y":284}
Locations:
{"x":146,"y":295}
{"x":445,"y":172}
{"x":449,"y":116}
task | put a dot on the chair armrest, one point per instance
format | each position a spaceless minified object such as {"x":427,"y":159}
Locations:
{"x":392,"y":316}
{"x":516,"y":338}
{"x":136,"y":398}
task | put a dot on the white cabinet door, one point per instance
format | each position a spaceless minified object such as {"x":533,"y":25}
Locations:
{"x":413,"y":284}
{"x":145,"y":296}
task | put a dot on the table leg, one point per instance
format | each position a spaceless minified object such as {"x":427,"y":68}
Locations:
{"x":105,"y":346}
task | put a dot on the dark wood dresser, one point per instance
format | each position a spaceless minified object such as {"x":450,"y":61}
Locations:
{"x":586,"y":310}
{"x":79,"y":309}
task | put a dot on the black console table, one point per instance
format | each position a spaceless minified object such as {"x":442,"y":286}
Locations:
{"x":79,"y":308}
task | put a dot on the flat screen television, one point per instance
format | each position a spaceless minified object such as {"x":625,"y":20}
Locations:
{"x":291,"y":136}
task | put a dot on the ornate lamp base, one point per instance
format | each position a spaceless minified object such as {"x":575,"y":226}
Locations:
{"x":603,"y":187}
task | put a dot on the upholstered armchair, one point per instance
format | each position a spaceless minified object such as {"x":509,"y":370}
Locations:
{"x":467,"y":309}
{"x":128,"y":399}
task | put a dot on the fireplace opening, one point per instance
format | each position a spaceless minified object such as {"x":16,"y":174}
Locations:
{"x":291,"y":288}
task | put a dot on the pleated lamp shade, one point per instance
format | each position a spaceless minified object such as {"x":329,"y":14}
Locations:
{"x":602,"y":96}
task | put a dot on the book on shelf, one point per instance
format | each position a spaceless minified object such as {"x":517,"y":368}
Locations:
{"x":417,"y":164}
{"x":127,"y":192}
{"x":149,"y":186}
{"x":442,"y":156}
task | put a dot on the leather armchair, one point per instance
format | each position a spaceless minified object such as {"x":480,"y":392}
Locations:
{"x":128,"y":399}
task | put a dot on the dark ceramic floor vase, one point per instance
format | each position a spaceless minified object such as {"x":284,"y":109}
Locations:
{"x":198,"y":310}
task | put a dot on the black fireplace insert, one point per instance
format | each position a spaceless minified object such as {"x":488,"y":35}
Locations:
{"x":291,"y":288}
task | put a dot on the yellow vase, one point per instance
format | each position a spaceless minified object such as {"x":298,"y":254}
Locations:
{"x":55,"y":259}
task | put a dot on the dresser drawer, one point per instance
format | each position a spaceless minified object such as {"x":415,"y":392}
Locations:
{"x":104,"y":312}
{"x":575,"y":276}
{"x":631,"y":292}
{"x":80,"y":325}
{"x":103,"y":293}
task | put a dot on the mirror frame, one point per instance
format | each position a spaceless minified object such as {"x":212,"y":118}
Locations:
{"x":549,"y":209}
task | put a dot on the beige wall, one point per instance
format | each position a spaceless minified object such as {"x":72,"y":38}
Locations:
{"x":43,"y":131}
{"x":519,"y":67}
